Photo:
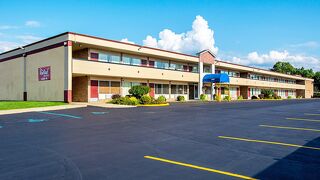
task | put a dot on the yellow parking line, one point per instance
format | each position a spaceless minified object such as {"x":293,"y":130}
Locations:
{"x":304,"y":119}
{"x":198,"y":167}
{"x":293,"y":128}
{"x":310,"y":114}
{"x":268,"y":142}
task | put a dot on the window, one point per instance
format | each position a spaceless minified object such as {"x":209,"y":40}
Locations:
{"x":185,"y":68}
{"x":126,"y":60}
{"x":176,"y":66}
{"x":158,"y":88}
{"x":103,"y":57}
{"x":94,"y":56}
{"x":162,"y":64}
{"x":114,"y":58}
{"x":165,"y":88}
{"x":161,"y":88}
{"x":206,"y":69}
{"x":180,"y":89}
{"x":115,"y":87}
{"x":144,"y":62}
{"x":193,"y":68}
{"x":185,"y":89}
{"x":136,"y":61}
{"x":174,"y":89}
{"x":151,"y":63}
{"x":104,"y":87}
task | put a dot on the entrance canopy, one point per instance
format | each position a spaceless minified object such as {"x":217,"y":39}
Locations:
{"x":216,"y":78}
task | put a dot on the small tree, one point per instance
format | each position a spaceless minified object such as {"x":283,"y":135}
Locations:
{"x":267,"y":93}
{"x":139,"y":90}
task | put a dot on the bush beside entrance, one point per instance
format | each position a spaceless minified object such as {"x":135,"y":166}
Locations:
{"x":138,"y":95}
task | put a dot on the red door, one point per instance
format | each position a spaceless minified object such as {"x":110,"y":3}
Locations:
{"x":151,"y":93}
{"x":94,"y":89}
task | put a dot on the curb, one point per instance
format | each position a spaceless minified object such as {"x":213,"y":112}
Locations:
{"x":153,"y":105}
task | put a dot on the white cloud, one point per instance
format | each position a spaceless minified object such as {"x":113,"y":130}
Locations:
{"x":269,"y":59}
{"x":126,"y":40}
{"x":201,"y":37}
{"x":309,"y":44}
{"x":6,"y":46}
{"x":27,"y":39}
{"x":32,"y":23}
{"x":8,"y":27}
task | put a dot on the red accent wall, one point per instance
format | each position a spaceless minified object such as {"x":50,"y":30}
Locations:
{"x":249,"y":93}
{"x":151,"y":93}
{"x":94,"y":89}
{"x":207,"y":57}
{"x":238,"y":91}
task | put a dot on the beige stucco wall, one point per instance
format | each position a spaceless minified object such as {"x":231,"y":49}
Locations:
{"x":132,"y":49}
{"x":258,"y":83}
{"x":11,"y":79}
{"x":51,"y":90}
{"x":225,"y":65}
{"x":126,"y":71}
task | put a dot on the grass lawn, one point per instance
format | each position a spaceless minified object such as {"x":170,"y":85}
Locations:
{"x":5,"y":105}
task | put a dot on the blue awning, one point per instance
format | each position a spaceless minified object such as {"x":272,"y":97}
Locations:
{"x":216,"y":78}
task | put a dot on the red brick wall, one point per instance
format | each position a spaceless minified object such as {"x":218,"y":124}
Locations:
{"x":80,"y":89}
{"x":207,"y":57}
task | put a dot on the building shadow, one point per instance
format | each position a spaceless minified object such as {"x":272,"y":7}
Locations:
{"x":301,"y":164}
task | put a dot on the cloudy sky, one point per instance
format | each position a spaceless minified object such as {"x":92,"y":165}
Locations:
{"x":255,"y":33}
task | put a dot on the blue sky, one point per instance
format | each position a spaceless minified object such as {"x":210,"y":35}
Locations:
{"x":256,"y":33}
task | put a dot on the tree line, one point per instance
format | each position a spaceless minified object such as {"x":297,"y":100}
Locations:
{"x":287,"y":68}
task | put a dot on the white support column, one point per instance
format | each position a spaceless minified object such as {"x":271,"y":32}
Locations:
{"x":213,"y":69}
{"x":68,"y":71}
{"x":200,"y":85}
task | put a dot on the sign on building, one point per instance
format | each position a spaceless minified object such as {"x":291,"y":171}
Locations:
{"x":44,"y":73}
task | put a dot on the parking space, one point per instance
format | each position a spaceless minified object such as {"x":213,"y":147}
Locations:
{"x":238,"y":140}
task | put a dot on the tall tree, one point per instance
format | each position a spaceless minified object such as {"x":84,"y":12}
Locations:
{"x":284,"y":67}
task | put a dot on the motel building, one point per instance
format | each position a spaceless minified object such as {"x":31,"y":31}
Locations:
{"x":73,"y":67}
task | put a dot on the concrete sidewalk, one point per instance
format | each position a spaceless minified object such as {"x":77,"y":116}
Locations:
{"x":48,"y":108}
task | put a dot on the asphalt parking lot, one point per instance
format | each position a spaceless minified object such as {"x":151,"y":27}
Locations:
{"x":242,"y":140}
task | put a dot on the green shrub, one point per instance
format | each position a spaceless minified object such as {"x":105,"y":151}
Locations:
{"x":254,"y":97}
{"x":161,"y":100}
{"x":180,"y":98}
{"x":274,"y":96}
{"x":289,"y":97}
{"x":146,"y":99}
{"x":227,"y":98}
{"x":316,"y":95}
{"x":125,"y":101}
{"x":139,"y":91}
{"x":218,"y":98}
{"x":203,"y":97}
{"x":117,"y":100}
{"x":261,"y":96}
{"x":133,"y":101}
{"x":278,"y":97}
{"x":268,"y":93}
{"x":299,"y":97}
{"x":115,"y":96}
{"x":240,"y":97}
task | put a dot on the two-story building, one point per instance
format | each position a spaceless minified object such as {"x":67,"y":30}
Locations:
{"x":81,"y":68}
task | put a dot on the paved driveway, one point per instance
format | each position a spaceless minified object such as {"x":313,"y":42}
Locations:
{"x":263,"y":140}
